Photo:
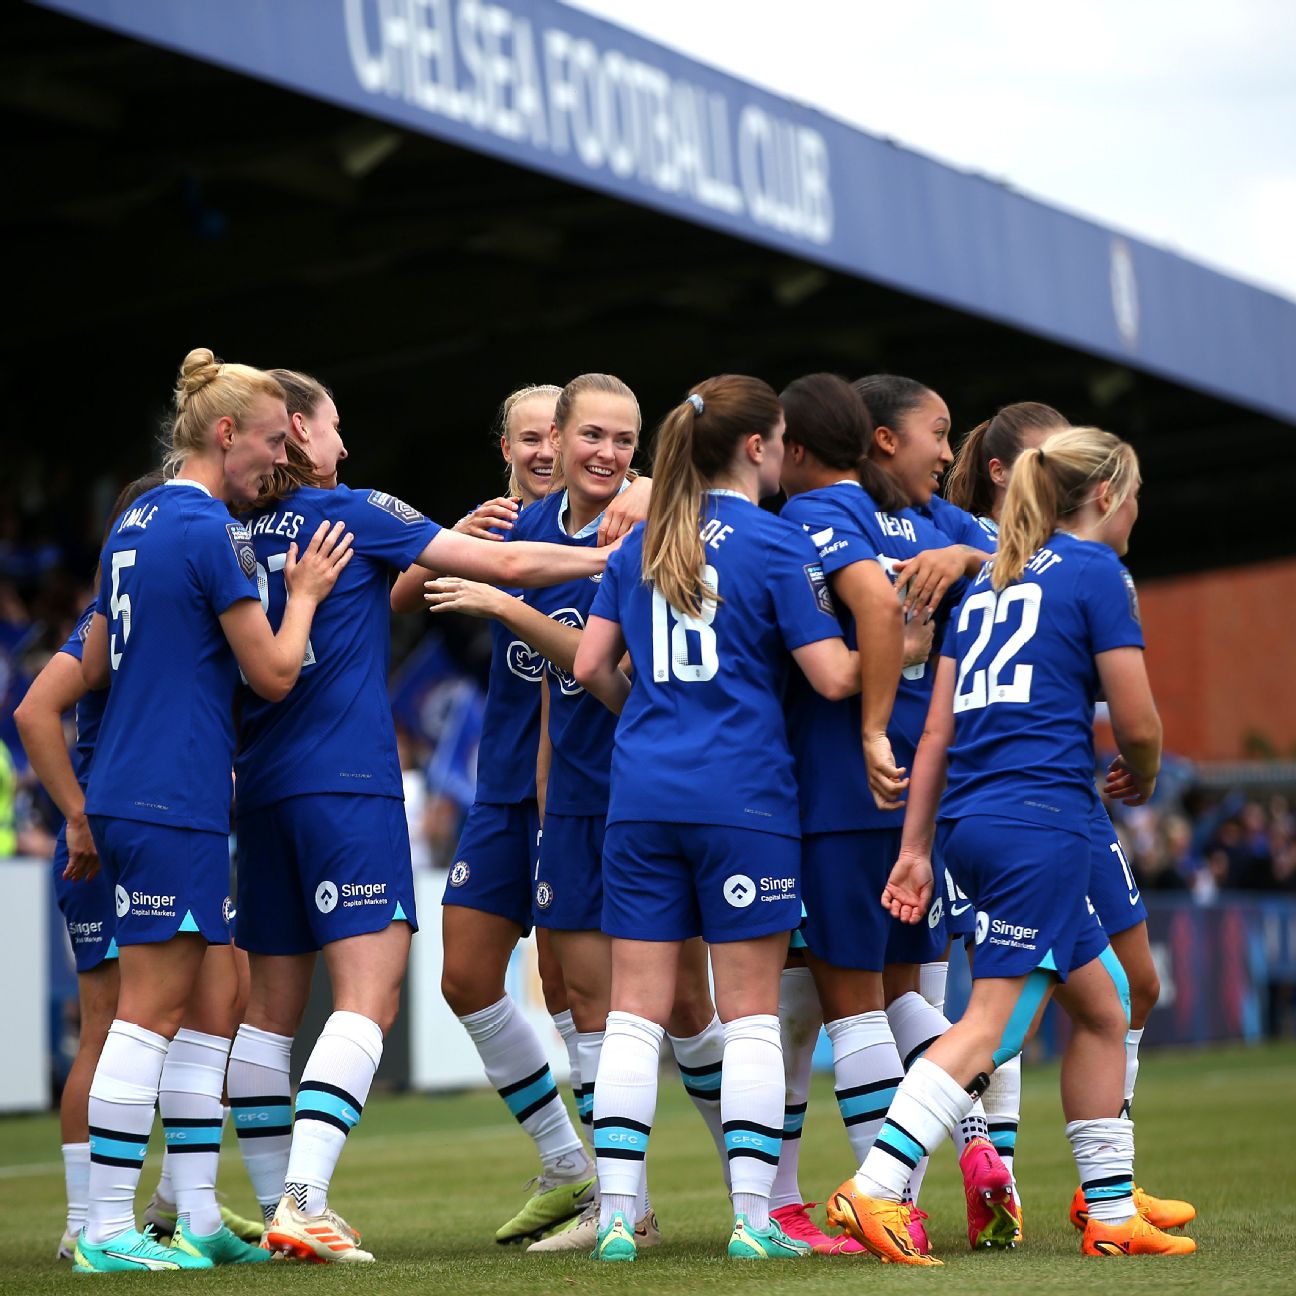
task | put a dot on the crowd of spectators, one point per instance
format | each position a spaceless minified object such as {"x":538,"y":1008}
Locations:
{"x":1191,"y":841}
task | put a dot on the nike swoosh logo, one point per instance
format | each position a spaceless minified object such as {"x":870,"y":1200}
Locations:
{"x":955,"y":910}
{"x":1134,"y":899}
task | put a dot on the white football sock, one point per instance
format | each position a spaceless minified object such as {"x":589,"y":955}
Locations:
{"x":189,"y":1100}
{"x":751,"y":1102}
{"x":123,"y":1095}
{"x":516,"y":1065}
{"x":866,"y":1072}
{"x":800,"y":1018}
{"x":565,"y":1025}
{"x":260,"y":1094}
{"x":700,"y":1058}
{"x":625,"y":1102}
{"x":932,"y":978}
{"x":927,"y":1107}
{"x":1002,"y":1105}
{"x":330,"y":1099}
{"x":1104,"y":1157}
{"x":76,"y":1176}
{"x":1133,"y":1039}
{"x":588,"y":1045}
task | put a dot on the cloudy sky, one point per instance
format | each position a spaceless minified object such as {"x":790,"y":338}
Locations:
{"x":1174,"y":120}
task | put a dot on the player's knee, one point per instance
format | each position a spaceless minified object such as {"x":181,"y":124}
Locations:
{"x":463,"y":989}
{"x":1144,"y":993}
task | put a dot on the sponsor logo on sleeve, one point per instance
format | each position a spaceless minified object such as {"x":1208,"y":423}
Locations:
{"x":241,"y":539}
{"x":401,"y":511}
{"x":1133,"y":596}
{"x":819,"y":588}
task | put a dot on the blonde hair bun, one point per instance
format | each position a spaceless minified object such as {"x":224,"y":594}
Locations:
{"x":198,"y":368}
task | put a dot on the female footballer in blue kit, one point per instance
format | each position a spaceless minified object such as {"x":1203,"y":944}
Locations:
{"x":487,"y":903}
{"x":866,"y":966}
{"x":81,"y":888}
{"x":596,"y":428}
{"x":1052,"y":619}
{"x":322,"y":832}
{"x":978,"y":482}
{"x":710,"y":599}
{"x":178,"y":616}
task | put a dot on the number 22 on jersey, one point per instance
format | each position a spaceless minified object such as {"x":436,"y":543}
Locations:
{"x":980,"y":686}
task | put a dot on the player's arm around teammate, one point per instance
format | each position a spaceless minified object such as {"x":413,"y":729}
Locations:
{"x":176,"y":591}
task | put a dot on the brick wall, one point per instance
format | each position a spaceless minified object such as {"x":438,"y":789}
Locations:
{"x":1222,"y":659}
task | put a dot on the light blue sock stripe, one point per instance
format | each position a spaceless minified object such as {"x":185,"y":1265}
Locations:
{"x":617,"y":1138}
{"x":1004,"y":1140}
{"x":1038,"y":984}
{"x":878,"y":1101}
{"x":1109,"y":1191}
{"x":705,"y":1084}
{"x":315,"y":1100}
{"x":1117,"y":973}
{"x":740,"y":1141}
{"x":519,"y":1101}
{"x":132,"y":1150}
{"x":908,"y":1147}
{"x":246,"y":1118}
{"x":793,"y":1122}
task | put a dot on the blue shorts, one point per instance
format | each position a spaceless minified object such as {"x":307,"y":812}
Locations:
{"x":318,"y":868}
{"x":670,"y":881}
{"x":568,"y":886}
{"x":165,"y":880}
{"x":843,"y":875}
{"x":1028,"y":883}
{"x":87,"y":909}
{"x":1112,"y":888}
{"x":495,"y":861}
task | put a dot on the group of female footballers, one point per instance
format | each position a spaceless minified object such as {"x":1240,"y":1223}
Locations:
{"x":770,"y":759}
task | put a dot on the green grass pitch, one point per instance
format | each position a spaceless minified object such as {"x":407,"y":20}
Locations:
{"x":429,"y":1179}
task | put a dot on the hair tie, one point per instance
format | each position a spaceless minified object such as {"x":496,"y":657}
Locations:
{"x":1041,"y":456}
{"x":699,"y":405}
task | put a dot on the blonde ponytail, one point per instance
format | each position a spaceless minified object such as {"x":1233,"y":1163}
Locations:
{"x":1053,"y":483}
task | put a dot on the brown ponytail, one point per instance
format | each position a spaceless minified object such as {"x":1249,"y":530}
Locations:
{"x":968,"y":483}
{"x":695,"y":443}
{"x":1052,"y":484}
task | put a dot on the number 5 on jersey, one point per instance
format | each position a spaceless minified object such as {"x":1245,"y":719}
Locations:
{"x":120,"y":605}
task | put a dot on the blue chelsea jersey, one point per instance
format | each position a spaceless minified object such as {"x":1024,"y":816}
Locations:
{"x":334,"y":731}
{"x":960,"y":526}
{"x":174,"y":562}
{"x":702,"y":738}
{"x":1027,"y":680}
{"x":90,"y":709}
{"x":581,"y":728}
{"x":510,"y":734}
{"x":847,"y":526}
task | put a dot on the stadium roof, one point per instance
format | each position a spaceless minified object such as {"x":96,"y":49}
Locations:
{"x":429,"y":202}
{"x":557,"y":91}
